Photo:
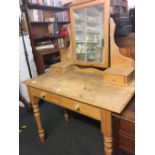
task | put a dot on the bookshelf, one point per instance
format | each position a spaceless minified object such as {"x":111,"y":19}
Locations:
{"x":45,"y":7}
{"x":119,"y":6}
{"x":46,"y":20}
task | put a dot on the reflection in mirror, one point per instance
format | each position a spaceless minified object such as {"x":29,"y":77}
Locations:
{"x":89,"y":34}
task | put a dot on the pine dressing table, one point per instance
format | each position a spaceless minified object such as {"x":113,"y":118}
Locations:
{"x":91,"y":79}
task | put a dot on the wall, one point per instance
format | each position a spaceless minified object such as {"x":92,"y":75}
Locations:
{"x":23,"y":69}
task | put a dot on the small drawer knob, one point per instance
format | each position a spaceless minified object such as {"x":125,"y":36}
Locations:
{"x":77,"y":107}
{"x":43,"y":95}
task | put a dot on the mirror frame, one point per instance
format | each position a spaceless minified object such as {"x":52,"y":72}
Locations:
{"x":106,"y":14}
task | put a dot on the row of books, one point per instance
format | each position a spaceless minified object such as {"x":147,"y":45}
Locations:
{"x":119,"y":3}
{"x":62,"y":16}
{"x":37,"y":16}
{"x":47,"y":2}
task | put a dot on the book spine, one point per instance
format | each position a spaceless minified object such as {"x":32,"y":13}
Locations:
{"x":34,"y":1}
{"x":55,"y":3}
{"x":41,"y":2}
{"x":31,"y":15}
{"x":35,"y":15}
{"x":59,"y":2}
{"x":55,"y":26}
{"x":38,"y":1}
{"x":48,"y":2}
{"x":39,"y":15}
{"x":67,"y":2}
{"x":51,"y":1}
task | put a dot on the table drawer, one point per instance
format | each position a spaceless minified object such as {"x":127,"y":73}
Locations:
{"x":50,"y":97}
{"x":81,"y":108}
{"x":114,"y":79}
{"x":65,"y":102}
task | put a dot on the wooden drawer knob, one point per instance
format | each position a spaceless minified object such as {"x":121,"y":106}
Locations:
{"x":42,"y":95}
{"x":114,"y":80}
{"x":77,"y":107}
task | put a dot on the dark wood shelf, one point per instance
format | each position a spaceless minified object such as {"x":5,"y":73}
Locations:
{"x":40,"y":22}
{"x":64,"y":22}
{"x":45,"y":7}
{"x":47,"y":66}
{"x":47,"y":51}
{"x":39,"y":32}
{"x":39,"y":38}
{"x":116,"y":5}
{"x":46,"y":22}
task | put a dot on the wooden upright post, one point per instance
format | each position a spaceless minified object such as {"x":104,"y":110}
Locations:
{"x":35,"y":106}
{"x":106,"y":126}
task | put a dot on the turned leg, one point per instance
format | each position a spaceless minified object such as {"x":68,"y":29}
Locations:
{"x":106,"y":126}
{"x":36,"y":111}
{"x":66,"y":115}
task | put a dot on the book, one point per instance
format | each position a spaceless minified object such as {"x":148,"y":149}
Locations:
{"x":51,"y":2}
{"x":48,"y":2}
{"x":40,"y":15}
{"x":35,"y":15}
{"x":31,"y":15}
{"x":66,"y":2}
{"x":38,"y":1}
{"x":43,"y":47}
{"x":42,"y":2}
{"x":49,"y":19}
{"x":59,"y":2}
{"x":50,"y":28}
{"x":56,"y":3}
{"x":61,"y":43}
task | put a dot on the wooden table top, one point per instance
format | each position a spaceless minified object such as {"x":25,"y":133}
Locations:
{"x":128,"y":114}
{"x":89,"y":89}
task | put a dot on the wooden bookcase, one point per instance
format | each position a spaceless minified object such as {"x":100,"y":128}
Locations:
{"x":39,"y":32}
{"x":118,"y":6}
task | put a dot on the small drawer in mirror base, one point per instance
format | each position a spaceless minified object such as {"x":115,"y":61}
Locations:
{"x":60,"y":69}
{"x":118,"y":76}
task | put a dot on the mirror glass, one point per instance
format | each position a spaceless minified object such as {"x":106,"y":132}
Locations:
{"x":89,"y":34}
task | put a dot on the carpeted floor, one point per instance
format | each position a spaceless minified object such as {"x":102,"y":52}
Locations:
{"x":81,"y":136}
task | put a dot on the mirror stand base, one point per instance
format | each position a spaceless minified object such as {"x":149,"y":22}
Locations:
{"x":119,"y":76}
{"x":60,"y":68}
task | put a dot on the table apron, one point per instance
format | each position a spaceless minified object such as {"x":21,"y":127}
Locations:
{"x":74,"y":105}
